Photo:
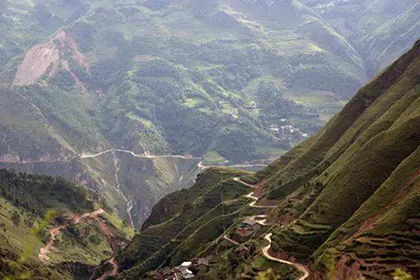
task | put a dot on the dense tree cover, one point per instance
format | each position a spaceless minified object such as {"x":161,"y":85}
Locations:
{"x":237,"y":144}
{"x":37,"y":193}
{"x":158,"y":68}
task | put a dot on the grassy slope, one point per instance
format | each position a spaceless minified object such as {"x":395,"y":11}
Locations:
{"x":199,"y":211}
{"x":361,"y":174}
{"x":176,"y":77}
{"x":15,"y":243}
{"x":173,"y":203}
{"x":32,"y":204}
{"x":385,"y":222}
{"x":348,"y":197}
{"x":347,"y":126}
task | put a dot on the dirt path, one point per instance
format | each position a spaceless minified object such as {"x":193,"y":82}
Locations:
{"x":55,"y":231}
{"x":111,"y":272}
{"x":44,"y":251}
{"x":261,"y":219}
{"x":230,"y":240}
{"x":298,"y":266}
{"x":252,"y":196}
{"x":201,"y":165}
{"x":145,"y":155}
{"x":237,"y":179}
{"x":114,"y":246}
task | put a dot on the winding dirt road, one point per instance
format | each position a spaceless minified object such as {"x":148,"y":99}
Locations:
{"x":252,"y":196}
{"x":111,"y":272}
{"x":261,"y":219}
{"x":145,"y":155}
{"x":148,"y":155}
{"x":129,"y":202}
{"x":55,"y":231}
{"x":298,"y":266}
{"x":44,"y":251}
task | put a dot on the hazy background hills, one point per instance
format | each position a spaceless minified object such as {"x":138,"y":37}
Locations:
{"x":343,"y":204}
{"x":230,"y":81}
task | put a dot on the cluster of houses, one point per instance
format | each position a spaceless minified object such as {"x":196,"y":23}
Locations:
{"x":182,"y":271}
{"x":247,"y":228}
{"x":287,"y":130}
{"x":187,"y":270}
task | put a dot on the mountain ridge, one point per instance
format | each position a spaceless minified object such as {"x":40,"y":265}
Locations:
{"x":351,"y":212}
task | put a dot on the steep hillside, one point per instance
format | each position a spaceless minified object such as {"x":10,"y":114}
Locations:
{"x":342,"y":205}
{"x":374,"y":27}
{"x":366,"y":161}
{"x":50,"y":229}
{"x":89,"y":89}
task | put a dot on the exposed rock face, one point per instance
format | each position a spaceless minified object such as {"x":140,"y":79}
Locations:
{"x":48,"y":58}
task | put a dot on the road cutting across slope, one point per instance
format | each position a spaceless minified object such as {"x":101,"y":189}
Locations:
{"x":261,"y":219}
{"x":144,"y":155}
{"x":55,"y":231}
{"x":252,"y":196}
{"x":298,"y":266}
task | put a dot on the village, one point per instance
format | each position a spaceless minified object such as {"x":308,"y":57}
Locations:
{"x":244,"y":231}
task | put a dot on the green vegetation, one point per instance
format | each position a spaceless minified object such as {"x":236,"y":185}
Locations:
{"x":38,"y":194}
{"x":229,"y":81}
{"x":225,"y":81}
{"x":33,"y":204}
{"x":197,"y":216}
{"x":346,"y":199}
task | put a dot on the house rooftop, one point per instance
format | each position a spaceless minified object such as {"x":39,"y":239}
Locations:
{"x":186,"y":264}
{"x":249,"y":222}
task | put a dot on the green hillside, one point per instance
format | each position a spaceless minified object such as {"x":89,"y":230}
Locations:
{"x":31,"y":207}
{"x":342,"y":205}
{"x":228,"y":82}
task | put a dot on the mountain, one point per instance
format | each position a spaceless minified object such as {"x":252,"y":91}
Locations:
{"x":51,"y":229}
{"x":105,"y":93}
{"x":343,"y":204}
{"x":375,"y":27}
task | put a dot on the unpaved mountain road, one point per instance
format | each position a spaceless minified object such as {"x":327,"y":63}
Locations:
{"x":111,"y":272}
{"x":145,"y":155}
{"x":55,"y":231}
{"x":252,"y":196}
{"x":261,"y":219}
{"x":298,"y":266}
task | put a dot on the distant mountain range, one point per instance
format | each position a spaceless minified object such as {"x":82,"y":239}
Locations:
{"x":343,"y":204}
{"x":231,"y":82}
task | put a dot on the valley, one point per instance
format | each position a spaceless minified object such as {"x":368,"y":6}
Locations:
{"x":305,"y":216}
{"x":241,"y":84}
{"x":214,"y":139}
